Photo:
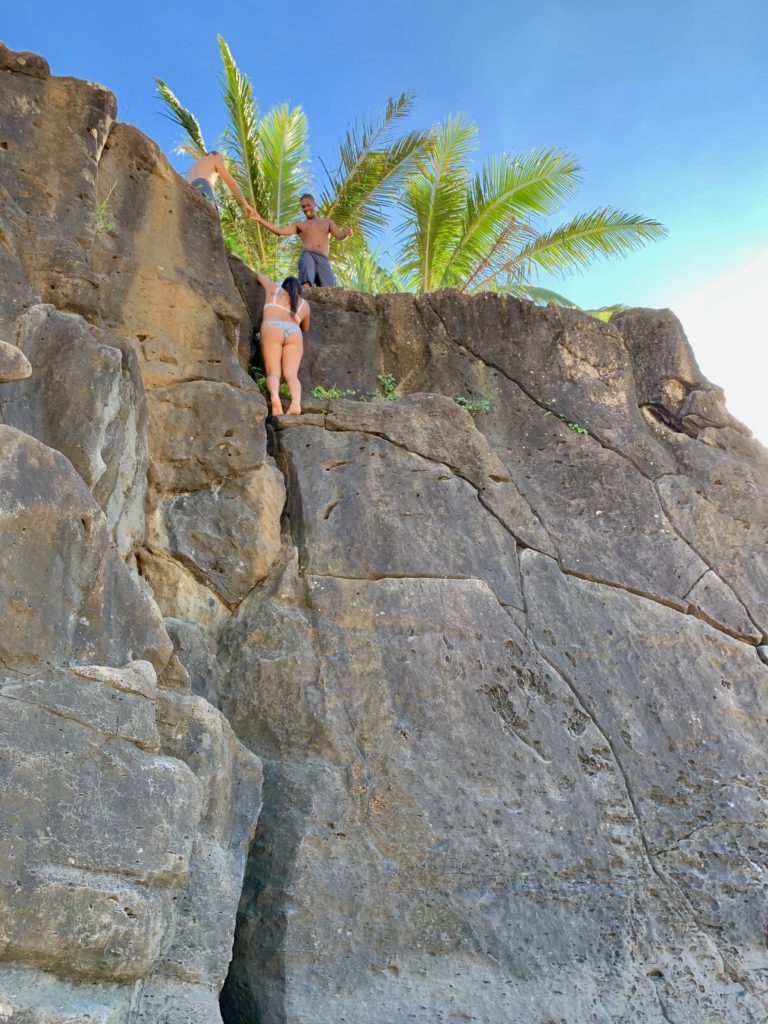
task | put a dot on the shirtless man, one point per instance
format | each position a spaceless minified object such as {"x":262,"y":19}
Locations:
{"x":314,"y":265}
{"x":205,"y":172}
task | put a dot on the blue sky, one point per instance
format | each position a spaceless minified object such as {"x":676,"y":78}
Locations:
{"x":665,"y":105}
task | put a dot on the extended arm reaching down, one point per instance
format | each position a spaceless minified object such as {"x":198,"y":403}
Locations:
{"x":291,"y":229}
{"x":229,"y":181}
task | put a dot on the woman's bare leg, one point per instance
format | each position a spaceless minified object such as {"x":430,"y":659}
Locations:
{"x":272,"y":352}
{"x":293,"y":350}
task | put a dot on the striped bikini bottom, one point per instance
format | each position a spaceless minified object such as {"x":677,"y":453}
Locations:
{"x":288,"y":329}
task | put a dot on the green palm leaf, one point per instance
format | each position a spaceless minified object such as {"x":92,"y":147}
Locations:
{"x":185,"y":119}
{"x":373,"y":164}
{"x":605,"y":313}
{"x":242,"y":133}
{"x":607,"y":232}
{"x":283,"y":150}
{"x":241,"y":138}
{"x":541,"y":296}
{"x":504,"y":198}
{"x":364,"y":271}
{"x":434,"y":201}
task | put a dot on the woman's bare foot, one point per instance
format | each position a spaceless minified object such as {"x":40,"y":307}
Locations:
{"x":277,"y":407}
{"x":294,"y":410}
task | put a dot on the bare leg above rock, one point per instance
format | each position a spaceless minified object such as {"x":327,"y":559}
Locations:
{"x":293,"y":349}
{"x":271,"y":351}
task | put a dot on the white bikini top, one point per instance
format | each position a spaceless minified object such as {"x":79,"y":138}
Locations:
{"x":296,"y":316}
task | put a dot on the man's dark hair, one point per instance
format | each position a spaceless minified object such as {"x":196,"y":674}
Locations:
{"x":212,"y":152}
{"x":307,"y":195}
{"x":293,"y":287}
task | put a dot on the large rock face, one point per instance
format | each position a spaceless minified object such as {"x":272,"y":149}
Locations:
{"x":507,"y":675}
{"x":127,"y":804}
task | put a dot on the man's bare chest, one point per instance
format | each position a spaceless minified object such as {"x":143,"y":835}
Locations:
{"x":316,"y":229}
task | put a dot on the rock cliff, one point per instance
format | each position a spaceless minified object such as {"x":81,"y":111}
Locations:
{"x":505,"y":676}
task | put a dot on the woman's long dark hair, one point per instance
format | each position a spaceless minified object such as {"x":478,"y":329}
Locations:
{"x":293,"y":286}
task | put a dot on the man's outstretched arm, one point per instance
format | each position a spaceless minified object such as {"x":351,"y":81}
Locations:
{"x":291,"y":229}
{"x":339,"y":233}
{"x":230,"y":182}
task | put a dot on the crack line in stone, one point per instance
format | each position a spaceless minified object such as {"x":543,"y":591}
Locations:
{"x":657,"y":599}
{"x":668,"y":883}
{"x":58,"y":713}
{"x":541,"y":405}
{"x":693,"y":548}
{"x":699,"y":828}
{"x":608,"y":447}
{"x":456,"y":471}
{"x":696,"y":582}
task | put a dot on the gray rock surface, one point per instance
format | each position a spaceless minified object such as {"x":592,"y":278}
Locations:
{"x":450,"y":775}
{"x":126,"y":806}
{"x":361,"y":507}
{"x":196,"y":651}
{"x":66,"y":596}
{"x":86,"y":401}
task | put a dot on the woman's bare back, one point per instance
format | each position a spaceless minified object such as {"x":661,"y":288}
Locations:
{"x":277,"y":305}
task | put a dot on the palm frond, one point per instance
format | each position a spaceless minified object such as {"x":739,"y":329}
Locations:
{"x":434,"y":201}
{"x":364,"y":271}
{"x":541,"y":296}
{"x":283,"y":149}
{"x":373,"y":163}
{"x":241,"y":138}
{"x":185,"y":119}
{"x":605,"y":313}
{"x":506,"y":196}
{"x":242,"y":132}
{"x":607,"y":232}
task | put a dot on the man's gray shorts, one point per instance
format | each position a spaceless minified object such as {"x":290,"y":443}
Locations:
{"x":316,"y":269}
{"x":203,"y":186}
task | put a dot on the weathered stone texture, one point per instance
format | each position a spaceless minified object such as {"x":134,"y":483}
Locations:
{"x":402,"y":515}
{"x":170,"y":286}
{"x":66,"y":595}
{"x":54,"y":131}
{"x":14,"y":365}
{"x":86,"y":400}
{"x":393,"y":876}
{"x":126,"y":810}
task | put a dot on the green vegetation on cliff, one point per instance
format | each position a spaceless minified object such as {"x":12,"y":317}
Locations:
{"x":455,"y":226}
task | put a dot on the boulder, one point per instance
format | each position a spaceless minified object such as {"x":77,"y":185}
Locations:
{"x":14,"y":365}
{"x":86,"y":401}
{"x":67,"y":596}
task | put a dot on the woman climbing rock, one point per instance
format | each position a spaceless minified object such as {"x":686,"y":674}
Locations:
{"x":285,"y":318}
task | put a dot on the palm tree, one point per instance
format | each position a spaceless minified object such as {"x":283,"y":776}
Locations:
{"x":456,"y":229}
{"x":269,"y":158}
{"x":375,"y":160}
{"x":483,"y":232}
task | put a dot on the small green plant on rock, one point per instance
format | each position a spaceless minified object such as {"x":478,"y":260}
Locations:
{"x":477,"y":405}
{"x":387,"y":388}
{"x":258,"y":375}
{"x":325,"y":394}
{"x":577,"y":428}
{"x":104,"y":221}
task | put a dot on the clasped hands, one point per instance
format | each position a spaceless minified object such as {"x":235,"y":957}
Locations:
{"x":254,"y":214}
